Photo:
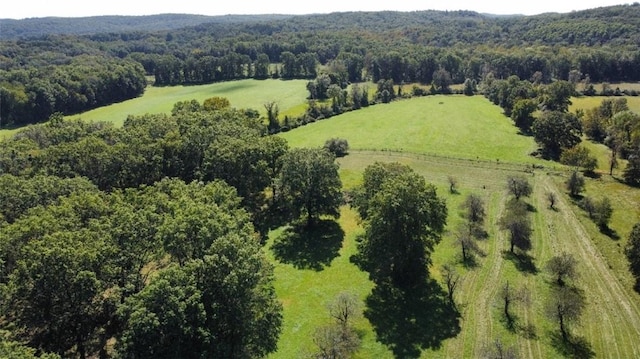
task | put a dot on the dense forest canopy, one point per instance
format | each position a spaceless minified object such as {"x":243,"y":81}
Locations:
{"x":72,"y":73}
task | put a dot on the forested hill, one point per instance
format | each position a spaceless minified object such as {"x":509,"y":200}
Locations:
{"x":614,"y":24}
{"x":606,"y":25}
{"x":33,"y":27}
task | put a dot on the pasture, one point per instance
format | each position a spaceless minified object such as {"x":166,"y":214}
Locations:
{"x":462,"y":137}
{"x":289,"y":95}
{"x":454,"y":126}
{"x":469,"y":139}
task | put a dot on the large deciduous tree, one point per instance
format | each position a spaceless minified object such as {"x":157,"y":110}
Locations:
{"x":557,"y":96}
{"x":309,"y":184}
{"x":405,"y":219}
{"x":556,"y":131}
{"x":373,"y":177}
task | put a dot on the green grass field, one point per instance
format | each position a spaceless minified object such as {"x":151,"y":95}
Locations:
{"x":452,"y":126}
{"x":242,"y":94}
{"x":439,"y":137}
{"x":289,"y":95}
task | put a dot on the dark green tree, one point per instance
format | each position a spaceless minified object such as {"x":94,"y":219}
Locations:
{"x":632,"y":251}
{"x":442,"y":81}
{"x":373,"y":177}
{"x":603,"y":210}
{"x":474,"y":209}
{"x":309,"y":184}
{"x":522,"y":114}
{"x":631,"y":173}
{"x":165,"y":320}
{"x":565,"y":306}
{"x":338,"y":146}
{"x":557,"y":96}
{"x":579,"y":157}
{"x":556,"y":131}
{"x":516,"y":221}
{"x":405,"y":220}
{"x":562,"y":267}
{"x":223,"y":305}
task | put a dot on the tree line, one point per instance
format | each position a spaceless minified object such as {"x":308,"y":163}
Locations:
{"x":69,"y":74}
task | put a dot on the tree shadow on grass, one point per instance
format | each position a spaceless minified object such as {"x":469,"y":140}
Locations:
{"x":515,"y":325}
{"x":523,"y":261}
{"x":610,"y":232}
{"x":309,"y":247}
{"x":470,"y":262}
{"x":574,"y":347}
{"x":410,"y":320}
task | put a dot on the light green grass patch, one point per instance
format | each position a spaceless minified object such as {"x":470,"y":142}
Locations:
{"x":305,"y":294}
{"x":289,"y":95}
{"x":454,"y":126}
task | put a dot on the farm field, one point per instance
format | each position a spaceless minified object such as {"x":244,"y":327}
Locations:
{"x":454,"y":126}
{"x":610,"y":326}
{"x":289,"y":95}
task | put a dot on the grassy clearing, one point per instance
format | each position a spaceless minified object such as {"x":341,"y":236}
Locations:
{"x":610,"y":325}
{"x":305,"y":292}
{"x":611,"y":321}
{"x":289,"y":95}
{"x":452,"y":126}
{"x":242,"y":94}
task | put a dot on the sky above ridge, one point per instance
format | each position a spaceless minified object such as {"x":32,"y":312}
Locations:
{"x":20,"y":9}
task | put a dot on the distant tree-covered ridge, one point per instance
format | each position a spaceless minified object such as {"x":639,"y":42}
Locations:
{"x":71,"y":73}
{"x":18,"y":29}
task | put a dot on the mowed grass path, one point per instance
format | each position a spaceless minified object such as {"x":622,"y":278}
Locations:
{"x":241,"y":94}
{"x":456,"y":126}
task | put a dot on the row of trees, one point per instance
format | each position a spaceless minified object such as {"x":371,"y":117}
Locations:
{"x":34,"y":93}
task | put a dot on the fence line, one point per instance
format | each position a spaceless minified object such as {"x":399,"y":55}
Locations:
{"x":471,"y":162}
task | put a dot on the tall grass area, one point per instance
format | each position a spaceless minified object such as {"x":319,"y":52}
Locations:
{"x":455,"y":126}
{"x":610,"y":324}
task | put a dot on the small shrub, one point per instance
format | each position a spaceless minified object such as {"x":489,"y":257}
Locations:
{"x":338,"y":146}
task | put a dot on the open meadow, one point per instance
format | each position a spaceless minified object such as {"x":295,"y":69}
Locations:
{"x":241,"y":94}
{"x":464,"y":137}
{"x":289,"y":96}
{"x":442,"y":137}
